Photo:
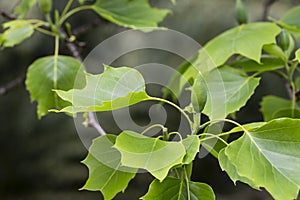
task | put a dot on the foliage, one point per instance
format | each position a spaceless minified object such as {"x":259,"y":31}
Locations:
{"x":224,"y":75}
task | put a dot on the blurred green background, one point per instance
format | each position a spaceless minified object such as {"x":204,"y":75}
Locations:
{"x":40,"y":159}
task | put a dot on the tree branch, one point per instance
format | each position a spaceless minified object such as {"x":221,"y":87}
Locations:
{"x":7,"y":15}
{"x":12,"y":85}
{"x":92,"y":122}
{"x":266,"y":9}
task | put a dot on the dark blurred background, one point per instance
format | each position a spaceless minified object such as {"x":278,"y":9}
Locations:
{"x":40,"y":159}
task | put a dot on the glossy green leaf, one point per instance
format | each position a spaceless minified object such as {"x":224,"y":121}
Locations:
{"x":16,"y":31}
{"x":113,"y":89}
{"x":105,"y":171}
{"x":246,"y":39}
{"x":268,"y":157}
{"x":271,"y":104}
{"x":152,"y":154}
{"x":267,"y":64}
{"x":23,"y":7}
{"x":191,"y":145}
{"x":237,"y":88}
{"x":136,"y":14}
{"x":173,"y":188}
{"x":53,"y":73}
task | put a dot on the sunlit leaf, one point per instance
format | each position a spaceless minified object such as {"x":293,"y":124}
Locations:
{"x":232,"y":93}
{"x":267,"y":157}
{"x":51,"y":73}
{"x":16,"y":31}
{"x":113,"y":89}
{"x":105,"y":171}
{"x":136,"y":14}
{"x":152,"y":154}
{"x":246,"y":39}
{"x":173,"y":188}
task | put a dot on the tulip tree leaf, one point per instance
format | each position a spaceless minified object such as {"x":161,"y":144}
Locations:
{"x":272,"y":104}
{"x":16,"y":31}
{"x":291,"y":18}
{"x":136,"y":14}
{"x":52,"y":73}
{"x":113,"y":89}
{"x":267,"y":157}
{"x":152,"y":154}
{"x":192,"y":145}
{"x":246,"y":39}
{"x":236,"y":88}
{"x":105,"y":171}
{"x":173,"y":188}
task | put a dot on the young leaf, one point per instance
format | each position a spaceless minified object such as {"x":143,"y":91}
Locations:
{"x":239,"y":40}
{"x":16,"y":32}
{"x":113,"y":89}
{"x":152,"y":154}
{"x":271,"y":104}
{"x":105,"y":171}
{"x":191,"y":145}
{"x":45,"y":5}
{"x":136,"y":14}
{"x":198,"y":94}
{"x":23,"y":7}
{"x":173,"y":188}
{"x":49,"y":73}
{"x":268,"y":157}
{"x":268,"y":63}
{"x":297,"y":55}
{"x":232,"y":93}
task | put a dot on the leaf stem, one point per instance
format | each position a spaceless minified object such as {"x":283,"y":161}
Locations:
{"x":187,"y":183}
{"x":175,"y":106}
{"x":215,"y":136}
{"x":151,"y":127}
{"x":72,"y":12}
{"x":67,"y":7}
{"x":56,"y":52}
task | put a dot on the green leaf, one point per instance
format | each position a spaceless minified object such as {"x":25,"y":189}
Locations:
{"x":46,"y":6}
{"x":288,"y":112}
{"x":186,"y":74}
{"x":269,"y":157}
{"x":23,"y":7}
{"x":105,"y":171}
{"x":246,"y":39}
{"x":173,"y":188}
{"x":297,"y":54}
{"x":16,"y":31}
{"x":291,"y":17}
{"x":198,"y":94}
{"x":271,"y":104}
{"x":267,"y":64}
{"x":236,"y":86}
{"x":136,"y":14}
{"x":113,"y":89}
{"x":152,"y":154}
{"x":49,"y":73}
{"x":275,"y":50}
{"x":191,"y":145}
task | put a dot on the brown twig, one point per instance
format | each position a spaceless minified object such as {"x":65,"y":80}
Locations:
{"x":266,"y":9}
{"x":7,"y":15}
{"x":12,"y":84}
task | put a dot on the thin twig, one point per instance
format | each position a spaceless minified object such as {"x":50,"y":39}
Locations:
{"x":87,"y":27}
{"x":7,"y":15}
{"x":266,"y":9}
{"x":92,"y":122}
{"x":12,"y":84}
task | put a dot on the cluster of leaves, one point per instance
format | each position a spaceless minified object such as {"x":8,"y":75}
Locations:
{"x":224,"y":75}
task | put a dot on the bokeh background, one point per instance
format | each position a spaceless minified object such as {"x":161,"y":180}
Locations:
{"x":40,"y":159}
